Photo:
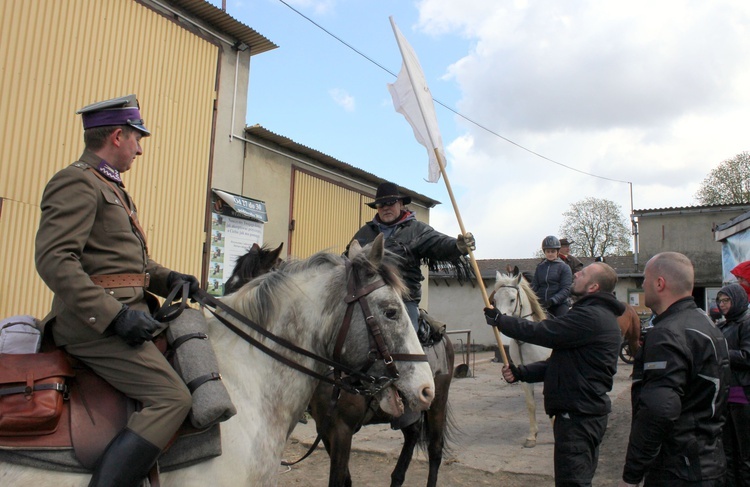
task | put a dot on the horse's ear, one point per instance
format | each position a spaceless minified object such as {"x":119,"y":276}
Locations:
{"x":376,"y":251}
{"x":277,"y":251}
{"x":516,"y":271}
{"x":498,"y":276}
{"x":354,"y":249}
{"x":271,"y":258}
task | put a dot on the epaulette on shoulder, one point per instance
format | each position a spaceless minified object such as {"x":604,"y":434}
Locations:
{"x":79,"y":165}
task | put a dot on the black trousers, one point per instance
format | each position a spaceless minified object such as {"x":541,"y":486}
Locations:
{"x":737,"y":445}
{"x":664,"y":478}
{"x":577,"y":440}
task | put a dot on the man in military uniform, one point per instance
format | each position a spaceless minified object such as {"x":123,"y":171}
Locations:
{"x":92,"y":253}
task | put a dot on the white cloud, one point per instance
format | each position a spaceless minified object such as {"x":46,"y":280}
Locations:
{"x":342,"y":98}
{"x":652,"y":93}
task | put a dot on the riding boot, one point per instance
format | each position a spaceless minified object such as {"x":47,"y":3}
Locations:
{"x":125,"y":462}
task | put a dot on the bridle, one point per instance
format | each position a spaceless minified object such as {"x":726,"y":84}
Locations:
{"x":519,"y":302}
{"x":356,"y":293}
{"x":518,"y":307}
{"x":344,"y":378}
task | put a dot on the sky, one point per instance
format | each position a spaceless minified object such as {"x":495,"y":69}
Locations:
{"x":549,"y":102}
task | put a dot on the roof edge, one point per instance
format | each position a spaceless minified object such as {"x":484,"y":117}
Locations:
{"x":261,"y":132}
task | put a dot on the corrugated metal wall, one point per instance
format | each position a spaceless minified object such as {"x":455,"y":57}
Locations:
{"x":326,"y":215}
{"x":60,"y":56}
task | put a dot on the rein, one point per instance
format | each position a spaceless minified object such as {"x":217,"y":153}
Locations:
{"x":344,"y":377}
{"x":370,"y":385}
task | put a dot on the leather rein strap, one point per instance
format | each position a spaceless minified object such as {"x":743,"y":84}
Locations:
{"x":372,"y":384}
{"x":378,"y":348}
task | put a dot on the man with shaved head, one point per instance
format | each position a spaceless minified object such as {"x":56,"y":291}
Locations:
{"x":577,"y":376}
{"x":680,"y":386}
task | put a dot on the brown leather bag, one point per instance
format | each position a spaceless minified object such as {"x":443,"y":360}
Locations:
{"x":32,"y":391}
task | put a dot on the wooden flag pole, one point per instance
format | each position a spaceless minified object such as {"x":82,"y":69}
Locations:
{"x":474,"y":264}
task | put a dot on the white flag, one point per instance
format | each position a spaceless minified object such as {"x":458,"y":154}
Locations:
{"x":412,"y":99}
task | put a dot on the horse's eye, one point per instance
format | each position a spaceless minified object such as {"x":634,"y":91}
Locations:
{"x":391,"y":314}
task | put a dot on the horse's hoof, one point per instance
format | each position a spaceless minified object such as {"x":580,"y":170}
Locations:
{"x":529,"y":443}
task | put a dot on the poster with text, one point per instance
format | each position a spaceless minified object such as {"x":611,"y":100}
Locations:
{"x":230,"y":238}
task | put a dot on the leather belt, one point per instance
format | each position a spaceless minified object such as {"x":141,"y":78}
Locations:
{"x":112,"y":281}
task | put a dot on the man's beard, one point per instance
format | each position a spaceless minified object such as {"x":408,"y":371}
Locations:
{"x":575,"y":293}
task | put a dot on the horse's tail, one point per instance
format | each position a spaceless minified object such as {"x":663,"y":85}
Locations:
{"x":449,"y":433}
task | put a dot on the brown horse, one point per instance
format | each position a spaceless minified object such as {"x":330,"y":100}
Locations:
{"x":630,"y":327}
{"x":354,"y":411}
{"x":337,"y":421}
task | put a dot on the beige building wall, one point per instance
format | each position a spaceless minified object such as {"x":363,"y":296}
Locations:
{"x":48,"y":73}
{"x":307,"y":190}
{"x":687,"y":230}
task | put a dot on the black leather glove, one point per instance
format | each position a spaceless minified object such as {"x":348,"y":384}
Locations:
{"x":517,"y":374}
{"x":175,"y":278}
{"x":466,"y":242}
{"x":492,"y":316}
{"x":133,"y":326}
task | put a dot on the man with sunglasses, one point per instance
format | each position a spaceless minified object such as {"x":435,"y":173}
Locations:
{"x":413,"y":242}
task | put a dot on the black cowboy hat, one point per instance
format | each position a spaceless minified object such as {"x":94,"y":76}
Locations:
{"x":388,"y":193}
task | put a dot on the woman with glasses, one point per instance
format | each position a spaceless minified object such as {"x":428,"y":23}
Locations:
{"x":732,"y":301}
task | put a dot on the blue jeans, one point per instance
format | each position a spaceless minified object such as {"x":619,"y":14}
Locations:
{"x":412,"y":308}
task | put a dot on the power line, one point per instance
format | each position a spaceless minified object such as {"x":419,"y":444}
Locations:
{"x":446,"y":106}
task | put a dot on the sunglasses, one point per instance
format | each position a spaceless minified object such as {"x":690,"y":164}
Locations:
{"x":386,"y":203}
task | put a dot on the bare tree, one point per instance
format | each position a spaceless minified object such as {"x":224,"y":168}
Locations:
{"x":597,"y":227}
{"x":727,"y":183}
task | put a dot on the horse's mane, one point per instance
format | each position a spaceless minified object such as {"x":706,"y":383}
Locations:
{"x":262,"y":296}
{"x":536,"y":308}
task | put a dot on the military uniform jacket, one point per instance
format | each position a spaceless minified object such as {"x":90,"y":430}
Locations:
{"x":85,"y":230}
{"x":679,"y":396}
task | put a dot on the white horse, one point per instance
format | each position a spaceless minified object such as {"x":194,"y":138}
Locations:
{"x":303,"y":303}
{"x":513,"y":296}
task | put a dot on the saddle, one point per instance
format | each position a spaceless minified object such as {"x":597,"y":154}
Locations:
{"x":93,"y":413}
{"x":430,"y":331}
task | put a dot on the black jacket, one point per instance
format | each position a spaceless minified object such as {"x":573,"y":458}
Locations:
{"x":736,"y":330}
{"x":415,"y":243}
{"x":585,"y":345}
{"x":552,"y":281}
{"x":679,"y":395}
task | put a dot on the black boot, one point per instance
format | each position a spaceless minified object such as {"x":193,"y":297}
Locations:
{"x":125,"y":462}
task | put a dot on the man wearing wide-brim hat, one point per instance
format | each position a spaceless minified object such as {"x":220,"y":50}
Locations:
{"x":572,"y":261}
{"x":414,"y":241}
{"x":91,"y":251}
